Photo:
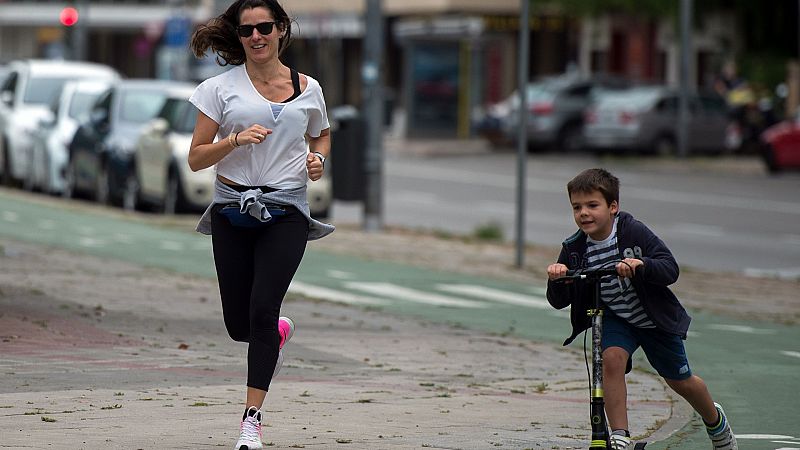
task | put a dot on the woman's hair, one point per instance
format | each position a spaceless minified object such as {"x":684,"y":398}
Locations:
{"x":591,"y":180}
{"x":219,"y":34}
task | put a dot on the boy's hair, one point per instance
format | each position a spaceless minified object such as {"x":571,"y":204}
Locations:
{"x":591,"y":180}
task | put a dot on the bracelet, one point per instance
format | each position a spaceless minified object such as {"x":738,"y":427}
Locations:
{"x":230,"y":141}
{"x":236,"y":138}
{"x":321,"y":158}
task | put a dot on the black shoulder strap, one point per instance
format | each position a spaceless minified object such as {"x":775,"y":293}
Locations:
{"x":295,"y":85}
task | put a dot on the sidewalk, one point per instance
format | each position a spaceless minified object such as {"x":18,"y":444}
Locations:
{"x":103,"y":354}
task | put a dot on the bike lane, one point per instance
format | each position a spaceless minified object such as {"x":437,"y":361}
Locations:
{"x":750,"y":367}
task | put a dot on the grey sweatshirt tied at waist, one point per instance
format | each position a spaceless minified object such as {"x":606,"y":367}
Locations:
{"x":254,"y":202}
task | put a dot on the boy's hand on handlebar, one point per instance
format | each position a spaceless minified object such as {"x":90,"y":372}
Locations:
{"x":555,"y":271}
{"x":627,"y":267}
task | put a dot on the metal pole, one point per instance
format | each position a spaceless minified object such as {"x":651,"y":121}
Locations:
{"x":373,"y":111}
{"x":79,"y":31}
{"x":683,"y":99}
{"x":522,"y":132}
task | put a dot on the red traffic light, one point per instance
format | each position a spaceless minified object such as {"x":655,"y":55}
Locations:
{"x":68,"y":16}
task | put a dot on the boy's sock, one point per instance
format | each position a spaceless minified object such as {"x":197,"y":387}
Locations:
{"x":620,"y":439}
{"x":720,"y":433}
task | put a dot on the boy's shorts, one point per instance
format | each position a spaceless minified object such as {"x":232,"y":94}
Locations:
{"x":665,"y":351}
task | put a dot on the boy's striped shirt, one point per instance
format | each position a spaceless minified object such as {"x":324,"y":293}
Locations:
{"x":617,"y":293}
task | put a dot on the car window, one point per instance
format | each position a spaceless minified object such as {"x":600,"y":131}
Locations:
{"x":81,"y":103}
{"x":43,"y":91}
{"x":140,"y":106}
{"x":713,"y":104}
{"x":172,"y":111}
{"x":187,"y":122}
{"x":10,"y":83}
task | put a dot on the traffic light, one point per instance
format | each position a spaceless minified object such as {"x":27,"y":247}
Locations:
{"x":68,"y":16}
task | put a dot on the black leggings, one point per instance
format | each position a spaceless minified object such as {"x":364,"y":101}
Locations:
{"x":254,"y":269}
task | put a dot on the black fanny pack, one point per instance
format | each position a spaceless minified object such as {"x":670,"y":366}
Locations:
{"x":239,"y":219}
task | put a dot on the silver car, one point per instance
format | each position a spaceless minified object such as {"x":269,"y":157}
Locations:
{"x":50,"y":152}
{"x":26,"y":94}
{"x":645,"y":119}
{"x":555,"y":111}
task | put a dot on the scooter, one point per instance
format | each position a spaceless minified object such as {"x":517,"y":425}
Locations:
{"x":601,"y":437}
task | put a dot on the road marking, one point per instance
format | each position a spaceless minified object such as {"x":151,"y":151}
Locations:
{"x":789,"y":273}
{"x":791,"y":353}
{"x":322,"y":293}
{"x":764,"y":437}
{"x":91,"y":242}
{"x":10,"y":216}
{"x":497,"y":295}
{"x":740,"y":329}
{"x":340,"y":275}
{"x":171,"y":246}
{"x":413,"y":295}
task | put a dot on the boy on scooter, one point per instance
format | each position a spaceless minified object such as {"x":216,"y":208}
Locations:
{"x":639,"y":308}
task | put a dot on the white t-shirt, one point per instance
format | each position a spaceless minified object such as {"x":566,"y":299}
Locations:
{"x":231,"y":100}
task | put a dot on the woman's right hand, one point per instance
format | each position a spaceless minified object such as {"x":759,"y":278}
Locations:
{"x":254,"y":134}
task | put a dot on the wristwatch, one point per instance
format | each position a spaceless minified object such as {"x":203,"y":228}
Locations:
{"x":321,"y":158}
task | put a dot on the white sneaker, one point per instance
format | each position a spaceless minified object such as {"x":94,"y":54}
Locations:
{"x":250,"y":431}
{"x":722,"y":437}
{"x":620,"y":442}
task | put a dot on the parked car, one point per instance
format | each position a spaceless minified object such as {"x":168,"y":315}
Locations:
{"x":645,"y":119}
{"x":780,"y":145}
{"x":28,"y":90}
{"x":101,"y":154}
{"x":160,"y":174}
{"x":49,"y":154}
{"x":555,"y":111}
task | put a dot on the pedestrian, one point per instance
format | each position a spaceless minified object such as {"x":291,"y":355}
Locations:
{"x":265,"y":127}
{"x":639,"y":307}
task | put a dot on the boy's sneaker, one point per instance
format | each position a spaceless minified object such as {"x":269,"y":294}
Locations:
{"x":285,"y":329}
{"x":619,"y":441}
{"x":721,"y":435}
{"x":250,"y":430}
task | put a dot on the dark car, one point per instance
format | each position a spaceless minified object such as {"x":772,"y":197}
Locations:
{"x":781,"y":145}
{"x":101,"y":153}
{"x":555,"y":111}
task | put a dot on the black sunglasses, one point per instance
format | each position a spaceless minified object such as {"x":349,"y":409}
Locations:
{"x":247,"y":30}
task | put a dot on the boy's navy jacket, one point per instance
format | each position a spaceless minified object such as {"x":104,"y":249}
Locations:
{"x":634,"y":240}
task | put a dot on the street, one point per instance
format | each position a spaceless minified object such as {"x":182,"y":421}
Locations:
{"x":713,"y":216}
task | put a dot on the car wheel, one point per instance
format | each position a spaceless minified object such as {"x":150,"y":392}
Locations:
{"x":664,"y":145}
{"x":5,"y":164}
{"x":768,"y":153}
{"x":130,"y":194}
{"x":101,"y":189}
{"x":172,"y":200}
{"x":69,"y":180}
{"x":570,"y":140}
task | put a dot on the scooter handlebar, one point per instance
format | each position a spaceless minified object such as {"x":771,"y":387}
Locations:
{"x":592,"y":273}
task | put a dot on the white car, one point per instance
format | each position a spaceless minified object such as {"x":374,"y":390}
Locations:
{"x":162,"y":177}
{"x":50,"y":152}
{"x":26,"y":94}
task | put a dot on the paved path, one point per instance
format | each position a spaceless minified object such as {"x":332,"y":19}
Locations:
{"x":394,"y":359}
